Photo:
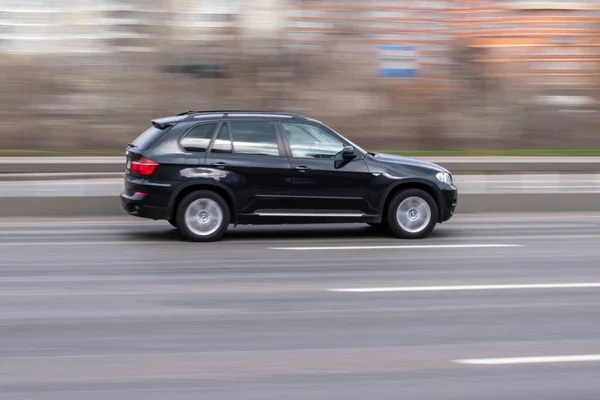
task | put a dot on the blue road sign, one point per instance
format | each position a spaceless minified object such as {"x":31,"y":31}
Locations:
{"x":398,"y":61}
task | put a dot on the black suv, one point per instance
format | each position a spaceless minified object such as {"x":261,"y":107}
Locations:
{"x":204,"y":170}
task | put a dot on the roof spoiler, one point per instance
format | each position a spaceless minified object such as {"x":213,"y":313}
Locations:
{"x":164,"y":123}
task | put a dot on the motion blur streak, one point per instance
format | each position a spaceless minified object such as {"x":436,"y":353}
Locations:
{"x":400,"y":247}
{"x":230,"y":320}
{"x":473,"y":287}
{"x":452,"y":74}
{"x":103,"y":307}
{"x":532,"y":360}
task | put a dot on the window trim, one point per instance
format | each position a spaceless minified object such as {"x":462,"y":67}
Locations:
{"x":216,"y":135}
{"x":210,"y":143}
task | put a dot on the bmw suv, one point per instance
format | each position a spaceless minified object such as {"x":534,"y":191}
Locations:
{"x":205,"y":170}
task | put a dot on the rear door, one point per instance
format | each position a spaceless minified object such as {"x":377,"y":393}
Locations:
{"x":249,"y":157}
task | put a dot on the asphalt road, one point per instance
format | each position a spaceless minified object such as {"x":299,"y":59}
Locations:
{"x":121,"y":308}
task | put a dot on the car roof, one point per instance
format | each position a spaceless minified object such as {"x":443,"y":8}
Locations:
{"x":164,"y":122}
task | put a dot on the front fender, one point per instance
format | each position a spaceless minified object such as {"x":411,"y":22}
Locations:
{"x":416,"y":183}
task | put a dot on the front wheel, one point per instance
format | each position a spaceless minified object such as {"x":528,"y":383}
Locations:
{"x":412,"y":214}
{"x":202,"y":216}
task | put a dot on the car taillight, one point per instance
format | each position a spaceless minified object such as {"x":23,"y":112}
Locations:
{"x":144,"y":167}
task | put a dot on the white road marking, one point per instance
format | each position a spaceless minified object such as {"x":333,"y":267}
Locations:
{"x":546,"y":187}
{"x":530,"y":360}
{"x":400,"y":247}
{"x":524,"y":181}
{"x":469,"y":287}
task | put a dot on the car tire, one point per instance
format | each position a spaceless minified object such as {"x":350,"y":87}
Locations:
{"x":202,"y":216}
{"x":412,"y":214}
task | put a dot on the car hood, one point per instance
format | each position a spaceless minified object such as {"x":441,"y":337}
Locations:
{"x":399,"y":160}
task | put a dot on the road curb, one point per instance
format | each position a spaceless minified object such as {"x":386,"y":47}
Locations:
{"x":110,"y":206}
{"x":528,"y":202}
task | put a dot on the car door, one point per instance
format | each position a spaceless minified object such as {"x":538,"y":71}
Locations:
{"x":319,"y":184}
{"x":250,"y":157}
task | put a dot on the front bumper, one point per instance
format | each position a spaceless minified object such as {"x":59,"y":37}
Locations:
{"x":450,"y":203}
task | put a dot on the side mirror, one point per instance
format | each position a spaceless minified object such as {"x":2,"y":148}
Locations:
{"x":345,"y":156}
{"x":348,"y":153}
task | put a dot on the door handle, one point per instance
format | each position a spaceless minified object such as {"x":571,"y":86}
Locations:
{"x":219,"y":165}
{"x":302,"y":168}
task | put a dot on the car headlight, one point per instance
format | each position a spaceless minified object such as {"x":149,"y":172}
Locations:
{"x":444,"y":177}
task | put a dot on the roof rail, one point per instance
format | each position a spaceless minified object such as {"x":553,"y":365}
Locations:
{"x":240,"y":112}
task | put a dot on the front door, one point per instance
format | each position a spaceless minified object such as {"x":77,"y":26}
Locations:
{"x":319,"y":186}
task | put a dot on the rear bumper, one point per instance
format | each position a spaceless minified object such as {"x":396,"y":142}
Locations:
{"x":136,"y":206}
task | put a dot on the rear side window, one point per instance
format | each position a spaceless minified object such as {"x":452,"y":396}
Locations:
{"x":256,"y":138}
{"x":198,"y":138}
{"x":148,"y":138}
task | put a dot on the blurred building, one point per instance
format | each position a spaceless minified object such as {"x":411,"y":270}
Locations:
{"x":348,"y":56}
{"x":552,"y":42}
{"x":363,"y":26}
{"x":98,"y":26}
{"x":547,"y":39}
{"x":77,"y":26}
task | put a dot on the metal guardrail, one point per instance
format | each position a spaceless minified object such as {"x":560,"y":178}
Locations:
{"x":516,"y":165}
{"x":57,"y":165}
{"x":98,"y":186}
{"x":457,"y":165}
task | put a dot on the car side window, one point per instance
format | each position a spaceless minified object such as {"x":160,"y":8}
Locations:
{"x":308,"y":141}
{"x":255,"y":138}
{"x":223,"y":143}
{"x":198,"y":138}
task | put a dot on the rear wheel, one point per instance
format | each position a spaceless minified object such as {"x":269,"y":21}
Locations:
{"x":412,"y":214}
{"x":202,"y":216}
